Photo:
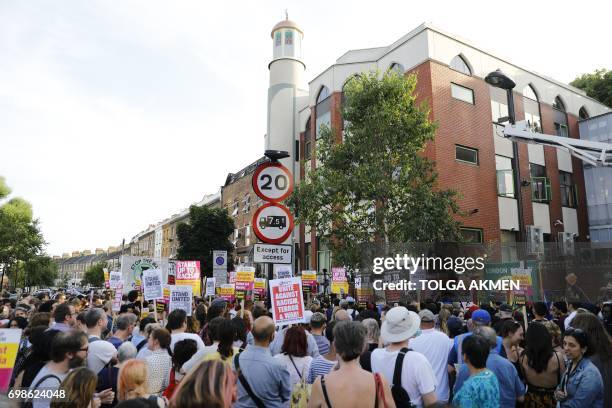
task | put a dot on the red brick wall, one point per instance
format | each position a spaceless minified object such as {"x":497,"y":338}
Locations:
{"x":583,"y":218}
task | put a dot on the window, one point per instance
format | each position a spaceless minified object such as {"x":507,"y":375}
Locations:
{"x":540,"y":184}
{"x":277,"y":38}
{"x":499,"y":104}
{"x":558,"y":104}
{"x":569,"y":194}
{"x":307,"y":150}
{"x":459,"y":64}
{"x":322,"y":110}
{"x":397,"y":67}
{"x":307,"y":256}
{"x":471,"y":235}
{"x":583,"y":113}
{"x":529,"y":92}
{"x":323,"y":94}
{"x":235,"y":206}
{"x":561,"y":130}
{"x":246,"y":204}
{"x":532,"y":109}
{"x":462,"y":93}
{"x":560,"y":118}
{"x":466,"y":154}
{"x":505,"y":176}
{"x":288,"y":38}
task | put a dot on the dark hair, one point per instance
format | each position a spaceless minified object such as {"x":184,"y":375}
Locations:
{"x":22,"y":322}
{"x":476,"y":350}
{"x":41,"y":338}
{"x":176,"y":319}
{"x":137,"y":403}
{"x":241,"y":328}
{"x":46,"y":306}
{"x":162,"y":336}
{"x":540,"y":309}
{"x":329,"y":331}
{"x":61,"y":312}
{"x":143,"y":323}
{"x":599,"y":341}
{"x":213,"y":328}
{"x":66,"y":342}
{"x":578,"y":334}
{"x":200,"y":314}
{"x":575,"y":304}
{"x":183,"y":351}
{"x":226,"y":333}
{"x":562,"y":306}
{"x":215,"y":310}
{"x":259,"y":311}
{"x":508,"y":327}
{"x":132,"y":296}
{"x":538,"y":346}
{"x":295,"y":343}
{"x":349,"y":339}
{"x":81,"y":317}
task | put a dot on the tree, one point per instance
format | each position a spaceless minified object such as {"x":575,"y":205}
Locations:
{"x":597,"y":85}
{"x":94,"y":275}
{"x":208,"y":230}
{"x":40,"y":271}
{"x":377,"y":186}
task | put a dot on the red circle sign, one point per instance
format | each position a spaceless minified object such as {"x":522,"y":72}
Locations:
{"x":272,"y":182}
{"x":272,"y":223}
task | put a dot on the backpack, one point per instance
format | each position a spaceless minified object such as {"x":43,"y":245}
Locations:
{"x":400,"y":395}
{"x":28,"y":403}
{"x":141,"y":344}
{"x":300,"y":394}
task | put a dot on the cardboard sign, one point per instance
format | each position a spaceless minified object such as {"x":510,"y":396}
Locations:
{"x":9,"y":339}
{"x":115,"y":279}
{"x":259,"y":288}
{"x":152,"y":280}
{"x":220,"y":277}
{"x":210,"y":287}
{"x":339,"y":282}
{"x":118,"y":298}
{"x":287,"y":301}
{"x":283,"y":271}
{"x":226,"y":291}
{"x":188,"y":273}
{"x":232,"y":278}
{"x":245,"y":281}
{"x":180,"y":298}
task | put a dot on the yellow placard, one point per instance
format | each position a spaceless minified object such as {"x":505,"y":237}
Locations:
{"x":339,"y":287}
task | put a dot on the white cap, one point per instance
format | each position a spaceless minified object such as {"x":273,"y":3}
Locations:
{"x":400,"y":324}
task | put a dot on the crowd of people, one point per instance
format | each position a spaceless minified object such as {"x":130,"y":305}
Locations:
{"x":342,"y":355}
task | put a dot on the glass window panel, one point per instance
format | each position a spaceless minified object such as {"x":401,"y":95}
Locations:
{"x":459,"y":64}
{"x":505,"y":176}
{"x":528,"y":92}
{"x":288,"y":38}
{"x":471,"y":235}
{"x":466,"y":154}
{"x":462,"y":93}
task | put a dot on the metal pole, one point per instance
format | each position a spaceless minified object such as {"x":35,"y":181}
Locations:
{"x":516,"y":168}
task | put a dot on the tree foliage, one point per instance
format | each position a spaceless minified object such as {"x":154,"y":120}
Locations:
{"x":40,"y":270}
{"x":208,"y":230}
{"x":376,"y":186}
{"x":94,"y":275}
{"x":597,"y":85}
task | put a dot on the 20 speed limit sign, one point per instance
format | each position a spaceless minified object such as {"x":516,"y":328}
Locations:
{"x":272,"y":223}
{"x":272,"y":182}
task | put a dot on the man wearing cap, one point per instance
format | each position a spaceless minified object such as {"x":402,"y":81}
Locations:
{"x":435,"y":346}
{"x":416,"y":373}
{"x":480,"y":317}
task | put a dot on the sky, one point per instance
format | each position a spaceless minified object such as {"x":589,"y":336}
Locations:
{"x":117,"y":114}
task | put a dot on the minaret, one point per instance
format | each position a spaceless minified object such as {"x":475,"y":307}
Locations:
{"x":286,"y":73}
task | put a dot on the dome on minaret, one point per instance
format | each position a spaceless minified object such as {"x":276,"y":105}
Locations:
{"x":287,"y":40}
{"x":286,"y":24}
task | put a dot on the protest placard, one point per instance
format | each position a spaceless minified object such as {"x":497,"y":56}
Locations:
{"x":115,"y":279}
{"x":210,"y":287}
{"x":10,"y":339}
{"x":232,"y":278}
{"x":282,"y":271}
{"x":188,"y":273}
{"x":226,"y":291}
{"x":309,"y":281}
{"x":245,"y":281}
{"x":106,"y":278}
{"x":339,"y":282}
{"x":166,"y":299}
{"x":180,"y":298}
{"x":287,"y":301}
{"x":118,"y":298}
{"x":259,"y":289}
{"x":152,"y":284}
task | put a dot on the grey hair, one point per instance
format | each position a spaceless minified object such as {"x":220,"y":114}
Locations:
{"x":487,"y":333}
{"x":150,"y":327}
{"x":126,"y":351}
{"x":349,"y":339}
{"x":93,"y":316}
{"x":372,"y":330}
{"x":125,"y":320}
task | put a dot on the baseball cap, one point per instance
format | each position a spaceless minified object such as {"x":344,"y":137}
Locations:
{"x":400,"y":324}
{"x":454,"y":323}
{"x":427,"y":315}
{"x":481,"y":316}
{"x":318,"y":317}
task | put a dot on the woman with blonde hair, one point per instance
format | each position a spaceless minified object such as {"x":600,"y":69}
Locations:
{"x":211,"y":384}
{"x":132,"y":383}
{"x":443,"y":316}
{"x":80,"y":387}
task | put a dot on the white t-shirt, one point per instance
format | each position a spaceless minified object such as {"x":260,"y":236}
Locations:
{"x":199,"y":357}
{"x":435,"y":346}
{"x":99,"y":354}
{"x":302,"y":364}
{"x":417,"y":375}
{"x":176,"y":337}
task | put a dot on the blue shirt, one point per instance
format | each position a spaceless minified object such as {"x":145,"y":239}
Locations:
{"x":268,"y":378}
{"x":115,"y":341}
{"x":456,"y":356}
{"x":584,"y":386}
{"x":322,"y":343}
{"x":319,"y":366}
{"x":510,"y":385}
{"x":279,"y":339}
{"x":478,"y":391}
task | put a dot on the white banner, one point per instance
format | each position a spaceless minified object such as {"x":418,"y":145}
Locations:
{"x":152,"y":280}
{"x":133,"y":266}
{"x":115,"y":280}
{"x":180,"y":298}
{"x":210,"y":287}
{"x":287,"y":301}
{"x":268,"y":253}
{"x":283,"y":271}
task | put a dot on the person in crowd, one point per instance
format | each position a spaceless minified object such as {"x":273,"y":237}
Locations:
{"x":541,"y":367}
{"x":512,"y":335}
{"x":144,"y":351}
{"x":80,"y":387}
{"x":511,"y":388}
{"x":455,"y":327}
{"x":200,"y":315}
{"x":415,"y":371}
{"x":132,"y":383}
{"x":100,"y":352}
{"x":216,"y":309}
{"x":599,"y":349}
{"x":68,"y":350}
{"x":341,"y":314}
{"x":350,"y":385}
{"x":435,"y":346}
{"x":294,"y":354}
{"x":441,"y":323}
{"x":261,"y":377}
{"x":559,"y":313}
{"x":482,"y":388}
{"x":183,"y":351}
{"x":240,"y":325}
{"x":64,"y":317}
{"x":37,"y":357}
{"x":572,"y":308}
{"x":177,"y":325}
{"x":80,"y":324}
{"x":540,"y":311}
{"x":108,"y":376}
{"x":555,"y":335}
{"x":211,"y":384}
{"x":124,"y":326}
{"x":40,"y":319}
{"x":351,"y":309}
{"x":372,"y":333}
{"x":478,"y":317}
{"x":277,"y":344}
{"x":18,"y":322}
{"x":323,"y":364}
{"x":581,"y":385}
{"x":193,"y":326}
{"x":505,"y":313}
{"x":318,"y":323}
{"x":159,"y":362}
{"x":139,"y":337}
{"x":213,"y":334}
{"x":226,"y":334}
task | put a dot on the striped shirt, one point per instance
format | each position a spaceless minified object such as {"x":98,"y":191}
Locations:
{"x":319,"y":366}
{"x":322,"y":343}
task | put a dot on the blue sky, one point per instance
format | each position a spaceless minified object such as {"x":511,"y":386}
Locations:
{"x":117,"y":114}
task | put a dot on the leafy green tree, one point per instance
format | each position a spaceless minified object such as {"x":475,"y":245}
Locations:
{"x":208,"y":230}
{"x":94,"y":275}
{"x":377,"y":186}
{"x":40,"y":270}
{"x":597,"y":85}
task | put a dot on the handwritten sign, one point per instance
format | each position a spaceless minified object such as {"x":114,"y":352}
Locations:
{"x":180,"y":298}
{"x":287,"y":301}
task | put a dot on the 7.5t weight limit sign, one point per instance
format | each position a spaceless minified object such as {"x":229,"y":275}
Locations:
{"x":272,"y":182}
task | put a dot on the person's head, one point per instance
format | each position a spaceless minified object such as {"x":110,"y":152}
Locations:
{"x":217,"y":309}
{"x":183,"y":351}
{"x":505,"y":311}
{"x":96,"y":319}
{"x":40,"y":319}
{"x":41,"y":339}
{"x":512,"y":331}
{"x":263,"y":331}
{"x":177,"y":320}
{"x":540,"y":310}
{"x":559,"y":309}
{"x":480,"y":317}
{"x":259,"y":311}
{"x":455,"y":326}
{"x":329,"y":333}
{"x":538,"y":346}
{"x":211,"y":384}
{"x":573,"y":306}
{"x":606,"y":311}
{"x":132,"y":380}
{"x":64,"y":313}
{"x":125,"y":323}
{"x":226,"y":334}
{"x":349,"y":340}
{"x":18,"y":322}
{"x":475,"y":351}
{"x":554,"y":331}
{"x":341,"y":315}
{"x":428,"y":320}
{"x":143,"y":323}
{"x":575,"y":343}
{"x":159,"y":339}
{"x":21,"y":311}
{"x":372,"y":330}
{"x":79,"y":387}
{"x":240,"y":325}
{"x":70,"y":347}
{"x":400,"y":325}
{"x":600,"y":342}
{"x":295,"y":343}
{"x":488,"y":334}
{"x":126,"y":351}
{"x":317,"y":321}
{"x":79,"y":322}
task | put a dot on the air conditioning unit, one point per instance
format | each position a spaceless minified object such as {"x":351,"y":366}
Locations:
{"x":535,"y":240}
{"x":566,"y":243}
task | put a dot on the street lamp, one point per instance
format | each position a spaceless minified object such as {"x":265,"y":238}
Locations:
{"x":500,"y":80}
